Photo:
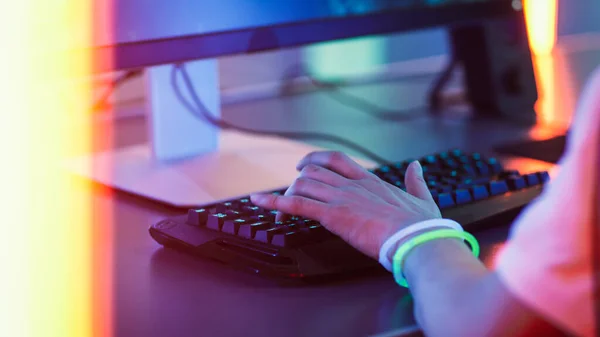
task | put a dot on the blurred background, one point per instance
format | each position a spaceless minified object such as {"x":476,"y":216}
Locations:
{"x":56,"y":259}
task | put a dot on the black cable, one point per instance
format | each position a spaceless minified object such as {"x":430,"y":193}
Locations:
{"x":102,"y":102}
{"x":201,"y":112}
{"x":360,"y":103}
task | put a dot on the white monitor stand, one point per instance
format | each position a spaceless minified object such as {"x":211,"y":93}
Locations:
{"x":189,"y":162}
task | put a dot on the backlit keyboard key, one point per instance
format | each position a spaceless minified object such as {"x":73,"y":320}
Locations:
{"x":498,"y":187}
{"x":445,"y":200}
{"x":197,"y":217}
{"x":532,"y":179}
{"x":479,"y":192}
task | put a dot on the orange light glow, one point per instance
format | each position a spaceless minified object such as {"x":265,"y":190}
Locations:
{"x":47,"y":257}
{"x":557,"y":92}
{"x":541,"y":16}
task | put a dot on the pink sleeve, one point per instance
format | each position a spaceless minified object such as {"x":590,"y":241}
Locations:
{"x":547,"y":262}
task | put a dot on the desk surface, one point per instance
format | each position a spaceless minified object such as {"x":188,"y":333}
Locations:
{"x":159,"y":292}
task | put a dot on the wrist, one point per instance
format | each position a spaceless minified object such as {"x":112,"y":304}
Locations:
{"x":433,"y":253}
{"x":394,"y":242}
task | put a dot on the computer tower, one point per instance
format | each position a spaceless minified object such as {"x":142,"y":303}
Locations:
{"x":498,"y":69}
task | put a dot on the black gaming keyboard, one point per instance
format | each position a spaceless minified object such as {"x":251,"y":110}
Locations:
{"x":475,"y":191}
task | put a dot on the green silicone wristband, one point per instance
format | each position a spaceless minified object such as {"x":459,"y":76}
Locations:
{"x":420,"y":239}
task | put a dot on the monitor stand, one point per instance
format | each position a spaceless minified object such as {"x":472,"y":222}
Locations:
{"x":189,"y":163}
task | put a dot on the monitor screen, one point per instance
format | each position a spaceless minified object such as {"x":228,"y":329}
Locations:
{"x":142,"y":20}
{"x":140,"y":33}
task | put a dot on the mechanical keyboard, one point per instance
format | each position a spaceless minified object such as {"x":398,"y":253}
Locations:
{"x":469,"y":188}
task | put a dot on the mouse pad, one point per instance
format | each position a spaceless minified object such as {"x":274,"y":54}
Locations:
{"x":549,"y":150}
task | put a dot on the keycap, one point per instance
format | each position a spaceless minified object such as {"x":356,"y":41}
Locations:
{"x":451,"y":163}
{"x":391,"y":178}
{"x":223,"y":207}
{"x":429,"y":160}
{"x":469,"y":169}
{"x":289,"y":239}
{"x":319,"y":233}
{"x":434,"y":194}
{"x":444,"y":189}
{"x":481,"y":181}
{"x":215,"y":221}
{"x":498,"y":187}
{"x":479,"y":192}
{"x":251,"y":210}
{"x":516,"y":183}
{"x":445,"y":200}
{"x":249,"y":230}
{"x":259,"y":218}
{"x":509,"y":173}
{"x":385,"y":169}
{"x":462,"y":196}
{"x":232,"y":226}
{"x":532,"y":179}
{"x":197,"y":217}
{"x":456,"y":152}
{"x":544,"y":177}
{"x":494,"y":165}
{"x":400,"y":184}
{"x":267,"y":235}
{"x":482,"y":168}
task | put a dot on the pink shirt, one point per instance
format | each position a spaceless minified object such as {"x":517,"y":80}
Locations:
{"x":547,"y":262}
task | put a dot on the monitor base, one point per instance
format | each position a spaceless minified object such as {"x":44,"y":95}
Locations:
{"x":242,"y":165}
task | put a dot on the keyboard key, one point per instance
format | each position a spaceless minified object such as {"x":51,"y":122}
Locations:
{"x":224,"y":207}
{"x":434,"y":194}
{"x":532,"y":179}
{"x":319,"y":233}
{"x":451,"y":163}
{"x":469,"y":169}
{"x":445,"y":200}
{"x":482,"y":168}
{"x":462,"y":196}
{"x":456,"y":152}
{"x":251,"y":210}
{"x":259,"y":218}
{"x":290,"y":239}
{"x":400,"y":184}
{"x":479,"y":192}
{"x":215,"y":221}
{"x":516,"y":183}
{"x":429,"y":160}
{"x":494,"y":165}
{"x":432,"y":183}
{"x":249,"y":230}
{"x":544,"y":177}
{"x":481,"y":181}
{"x":232,"y":226}
{"x":498,"y":187}
{"x":267,"y":235}
{"x":444,"y":189}
{"x":509,"y":173}
{"x":197,"y":217}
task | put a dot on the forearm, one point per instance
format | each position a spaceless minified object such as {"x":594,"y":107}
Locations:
{"x":455,"y":295}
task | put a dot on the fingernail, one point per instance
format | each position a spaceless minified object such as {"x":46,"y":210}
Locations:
{"x":419,"y":168}
{"x":257,"y":198}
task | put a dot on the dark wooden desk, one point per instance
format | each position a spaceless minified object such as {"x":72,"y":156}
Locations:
{"x":159,"y":292}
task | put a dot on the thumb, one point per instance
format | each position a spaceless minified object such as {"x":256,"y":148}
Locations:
{"x":415,"y":183}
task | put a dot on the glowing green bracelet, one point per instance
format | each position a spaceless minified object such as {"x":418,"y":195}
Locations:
{"x":420,"y":239}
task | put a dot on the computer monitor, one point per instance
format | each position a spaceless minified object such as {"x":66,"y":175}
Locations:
{"x":187,"y":159}
{"x":142,"y":33}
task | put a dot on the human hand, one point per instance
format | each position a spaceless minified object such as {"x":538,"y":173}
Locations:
{"x":352,"y":202}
